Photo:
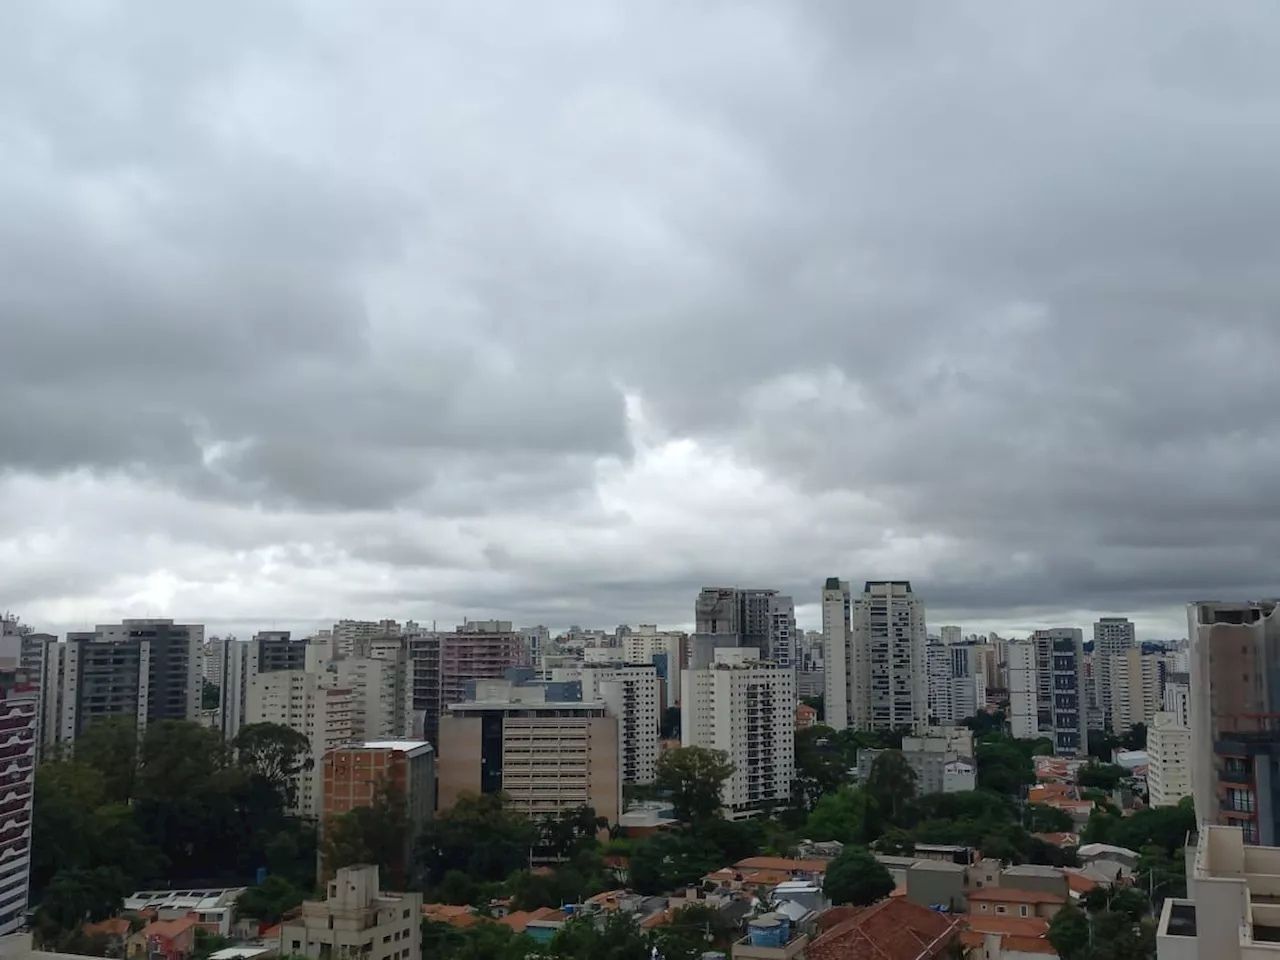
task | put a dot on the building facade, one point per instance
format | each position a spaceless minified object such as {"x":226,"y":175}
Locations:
{"x":1024,"y":687}
{"x":547,"y":757}
{"x":1168,"y":760}
{"x":354,"y":775}
{"x":888,"y":673}
{"x":1235,"y":716}
{"x":143,"y":670}
{"x":441,"y":664}
{"x":837,"y":632}
{"x":308,"y":702}
{"x":19,"y":722}
{"x":630,"y":692}
{"x":744,"y":707}
{"x":356,"y":919}
{"x":1112,"y":637}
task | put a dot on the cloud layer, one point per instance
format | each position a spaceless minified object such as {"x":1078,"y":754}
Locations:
{"x":312,"y":310}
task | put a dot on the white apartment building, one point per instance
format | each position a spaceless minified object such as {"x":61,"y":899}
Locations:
{"x":630,"y":692}
{"x":1135,"y":686}
{"x":950,"y":634}
{"x":1168,"y":760}
{"x":837,"y":630}
{"x":888,"y":673}
{"x":938,"y":667}
{"x":957,"y":682}
{"x":308,"y":702}
{"x":942,"y":758}
{"x":356,"y":919}
{"x":744,"y":707}
{"x":648,"y":644}
{"x":1232,"y":908}
{"x":1020,"y":667}
{"x":1112,"y":637}
{"x":377,"y":689}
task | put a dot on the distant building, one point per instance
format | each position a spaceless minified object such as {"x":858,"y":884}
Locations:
{"x":1113,"y":637}
{"x":545,"y":756}
{"x":761,"y":619}
{"x":877,"y":675}
{"x":837,"y":632}
{"x":143,"y":670}
{"x":1061,"y":707}
{"x":356,"y":919}
{"x":441,"y":664}
{"x":1168,"y":760}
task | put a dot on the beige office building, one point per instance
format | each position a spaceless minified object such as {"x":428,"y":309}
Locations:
{"x":545,"y":756}
{"x":1169,"y":760}
{"x":356,"y":920}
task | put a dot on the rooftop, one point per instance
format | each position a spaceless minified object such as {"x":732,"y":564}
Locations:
{"x":405,"y":746}
{"x":893,"y":929}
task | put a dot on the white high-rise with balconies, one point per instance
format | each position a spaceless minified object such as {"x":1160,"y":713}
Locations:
{"x":888,"y":673}
{"x":1112,"y":637}
{"x":837,"y":607}
{"x":744,"y":707}
{"x":1020,"y":669}
{"x":630,"y":692}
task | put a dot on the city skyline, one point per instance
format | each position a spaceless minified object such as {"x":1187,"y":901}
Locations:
{"x":558,"y":316}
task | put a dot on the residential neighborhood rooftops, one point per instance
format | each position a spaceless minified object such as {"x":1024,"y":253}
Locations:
{"x":892,"y":929}
{"x":784,"y":864}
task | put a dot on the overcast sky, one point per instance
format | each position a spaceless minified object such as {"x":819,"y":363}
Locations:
{"x":557,"y":311}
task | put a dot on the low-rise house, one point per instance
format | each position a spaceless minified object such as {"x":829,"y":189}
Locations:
{"x":999,"y":901}
{"x":1114,"y":861}
{"x":163,"y":940}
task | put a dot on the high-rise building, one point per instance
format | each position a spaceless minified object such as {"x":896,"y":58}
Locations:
{"x":1168,"y":760}
{"x":837,"y":631}
{"x":1235,"y":716}
{"x":950,"y":634}
{"x":1062,"y":710}
{"x":145,"y":670}
{"x":19,"y":719}
{"x":630,"y":691}
{"x":441,"y":664}
{"x":536,"y":640}
{"x":1177,"y":697}
{"x":744,"y":707}
{"x":310,"y":703}
{"x":762,"y":619}
{"x":662,"y":648}
{"x":1024,"y":685}
{"x":546,"y":757}
{"x":1136,"y":687}
{"x":377,"y":696}
{"x":938,"y":667}
{"x":353,"y":775}
{"x":887,"y":651}
{"x":347,"y":634}
{"x":1112,"y":637}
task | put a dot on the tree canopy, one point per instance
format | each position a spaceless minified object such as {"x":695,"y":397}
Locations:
{"x":856,"y":877}
{"x":694,"y":776}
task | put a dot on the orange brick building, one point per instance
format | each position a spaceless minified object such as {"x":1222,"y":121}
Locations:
{"x":352,"y":776}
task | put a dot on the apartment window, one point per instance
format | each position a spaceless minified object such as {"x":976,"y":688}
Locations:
{"x":1001,"y":909}
{"x":1023,"y":910}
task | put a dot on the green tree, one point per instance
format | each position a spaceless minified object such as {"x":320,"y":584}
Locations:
{"x":208,"y":944}
{"x":694,"y":777}
{"x":210,"y":696}
{"x":849,"y":815}
{"x":856,"y":877}
{"x":1069,"y":933}
{"x":1101,"y":776}
{"x":270,"y":900}
{"x":1046,"y":819}
{"x":377,"y":834}
{"x":617,"y":938}
{"x":669,"y":861}
{"x":110,"y":746}
{"x":278,"y":754}
{"x":892,"y":783}
{"x":477,"y":835}
{"x":896,"y":842}
{"x":820,"y":767}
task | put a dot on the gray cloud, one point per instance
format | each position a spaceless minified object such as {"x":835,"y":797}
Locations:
{"x":311,"y":310}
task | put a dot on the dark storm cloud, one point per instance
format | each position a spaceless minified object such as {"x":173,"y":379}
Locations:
{"x":1000,"y":277}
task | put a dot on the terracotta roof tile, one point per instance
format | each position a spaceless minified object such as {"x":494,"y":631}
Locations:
{"x":890,"y":930}
{"x":168,"y":928}
{"x":782,"y":863}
